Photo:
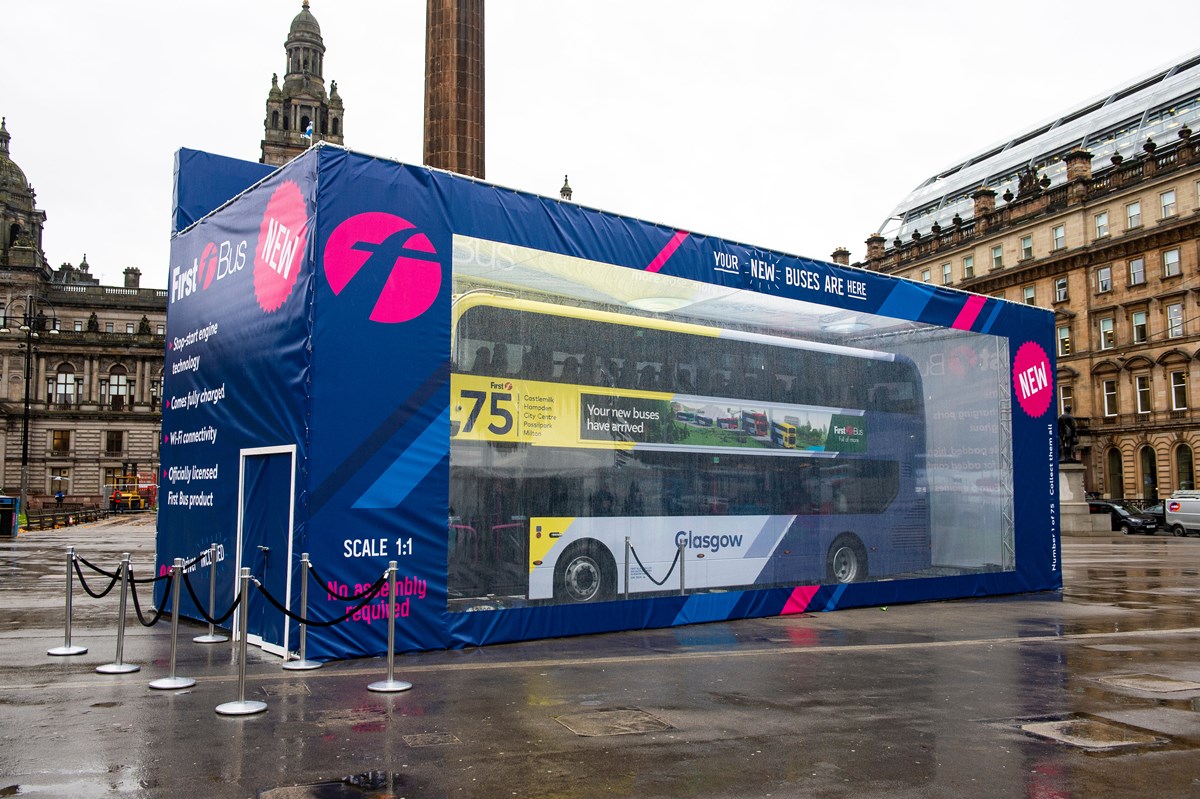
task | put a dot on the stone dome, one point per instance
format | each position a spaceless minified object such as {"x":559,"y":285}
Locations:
{"x":304,"y":25}
{"x":11,"y":175}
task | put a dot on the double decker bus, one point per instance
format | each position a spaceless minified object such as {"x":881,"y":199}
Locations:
{"x":755,"y":423}
{"x":783,"y":434}
{"x":565,"y":442}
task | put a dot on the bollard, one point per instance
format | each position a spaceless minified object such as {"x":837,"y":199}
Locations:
{"x":171,"y":681}
{"x":391,"y":684}
{"x":303,"y":664}
{"x":682,"y":553}
{"x":242,"y":707}
{"x":627,"y":546}
{"x":67,"y":648}
{"x":213,"y":637}
{"x":119,"y":666}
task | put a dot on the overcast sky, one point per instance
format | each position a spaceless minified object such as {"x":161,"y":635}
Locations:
{"x":791,"y":125}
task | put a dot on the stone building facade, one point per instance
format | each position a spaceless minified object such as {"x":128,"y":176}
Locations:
{"x":1113,"y":249}
{"x":81,"y":364}
{"x":300,"y":113}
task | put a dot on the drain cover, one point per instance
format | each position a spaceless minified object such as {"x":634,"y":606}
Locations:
{"x":286,"y":689}
{"x":1150,"y":682}
{"x":1091,"y":734}
{"x":612,"y":722}
{"x":431,"y":739}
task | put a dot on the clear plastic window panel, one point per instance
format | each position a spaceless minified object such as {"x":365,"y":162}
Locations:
{"x":618,"y":434}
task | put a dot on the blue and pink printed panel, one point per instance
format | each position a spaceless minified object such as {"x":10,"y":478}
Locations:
{"x":561,"y":421}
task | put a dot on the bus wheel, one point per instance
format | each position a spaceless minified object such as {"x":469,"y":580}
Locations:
{"x":585,"y":573}
{"x":847,"y":560}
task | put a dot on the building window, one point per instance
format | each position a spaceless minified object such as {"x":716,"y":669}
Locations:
{"x":1144,"y":393}
{"x":1185,"y":475}
{"x":160,"y":330}
{"x":1149,"y":459}
{"x":1059,"y":234}
{"x":60,"y":479}
{"x":78,"y":325}
{"x":924,"y":275}
{"x":1026,"y":247}
{"x":1064,"y":340}
{"x":108,"y":327}
{"x":1110,"y":397}
{"x":114,"y":442}
{"x":1104,"y":279}
{"x":947,"y":275}
{"x":129,"y":327}
{"x":1175,"y":320}
{"x":1133,"y":215}
{"x":1066,"y":399}
{"x":1139,"y":327}
{"x":968,"y":266}
{"x":1116,"y":474}
{"x":1027,"y":292}
{"x":1137,"y":271}
{"x":1167,"y":203}
{"x":63,"y":386}
{"x":1179,"y":390}
{"x":60,"y":442}
{"x":1107,"y":339}
{"x":1102,"y":224}
{"x":1170,"y":262}
{"x":1060,"y":290}
{"x":115,"y":391}
{"x":998,"y":257}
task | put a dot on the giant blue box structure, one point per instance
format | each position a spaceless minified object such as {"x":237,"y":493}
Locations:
{"x":316,"y":401}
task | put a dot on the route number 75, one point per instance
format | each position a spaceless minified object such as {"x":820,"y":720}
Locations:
{"x":502,"y":417}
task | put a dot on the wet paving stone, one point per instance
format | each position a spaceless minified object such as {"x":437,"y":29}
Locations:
{"x":1155,"y":683}
{"x":1092,"y":734}
{"x":612,"y":722}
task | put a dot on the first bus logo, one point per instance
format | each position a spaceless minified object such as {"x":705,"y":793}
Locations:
{"x":216,"y":261}
{"x":378,"y":243}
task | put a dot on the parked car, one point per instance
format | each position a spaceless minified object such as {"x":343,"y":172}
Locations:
{"x":1126,"y":518}
{"x":1159,"y":512}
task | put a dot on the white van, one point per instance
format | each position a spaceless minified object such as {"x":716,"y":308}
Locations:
{"x":1182,"y":512}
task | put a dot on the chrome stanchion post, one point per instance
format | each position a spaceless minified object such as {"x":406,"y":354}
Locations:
{"x":303,"y":664}
{"x":67,"y":648}
{"x":213,"y":637}
{"x":682,"y":557}
{"x":242,"y":707}
{"x":171,"y":681}
{"x":119,"y":666}
{"x":391,"y":684}
{"x":627,"y":545}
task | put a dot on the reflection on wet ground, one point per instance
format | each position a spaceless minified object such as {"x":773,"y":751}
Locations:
{"x":1091,"y":692}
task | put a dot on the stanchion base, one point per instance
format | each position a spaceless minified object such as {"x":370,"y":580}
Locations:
{"x":302,"y":665}
{"x":60,"y":651}
{"x":172,"y":683}
{"x":246,"y":707}
{"x":389,"y":686}
{"x":118,"y":668}
{"x":210,"y":639}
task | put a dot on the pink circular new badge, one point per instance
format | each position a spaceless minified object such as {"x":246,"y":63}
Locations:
{"x":1033,"y":382}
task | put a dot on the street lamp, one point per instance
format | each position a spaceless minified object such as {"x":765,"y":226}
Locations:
{"x":31,"y":325}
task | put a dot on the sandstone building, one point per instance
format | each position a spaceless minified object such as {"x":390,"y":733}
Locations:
{"x":1094,"y":215}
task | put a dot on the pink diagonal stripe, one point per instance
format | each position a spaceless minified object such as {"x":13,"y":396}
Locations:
{"x":661,"y":259}
{"x":969,"y":313}
{"x":798,"y":601}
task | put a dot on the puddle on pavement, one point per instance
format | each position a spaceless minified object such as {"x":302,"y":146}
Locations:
{"x":367,"y":784}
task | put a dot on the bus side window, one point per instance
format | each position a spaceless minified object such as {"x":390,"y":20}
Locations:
{"x":500,"y":359}
{"x":571,"y":371}
{"x":684,"y":382}
{"x":483,"y":361}
{"x":537,"y":364}
{"x":648,"y":377}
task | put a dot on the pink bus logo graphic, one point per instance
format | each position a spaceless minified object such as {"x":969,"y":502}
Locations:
{"x":382,"y":241}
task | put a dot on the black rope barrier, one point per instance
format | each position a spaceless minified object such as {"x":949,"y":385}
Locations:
{"x":137,"y":608}
{"x":187,"y":583}
{"x":321,"y":582}
{"x":93,"y":594}
{"x":146,"y":580}
{"x":279,"y":606}
{"x":666,"y":577}
{"x":95,"y":568}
